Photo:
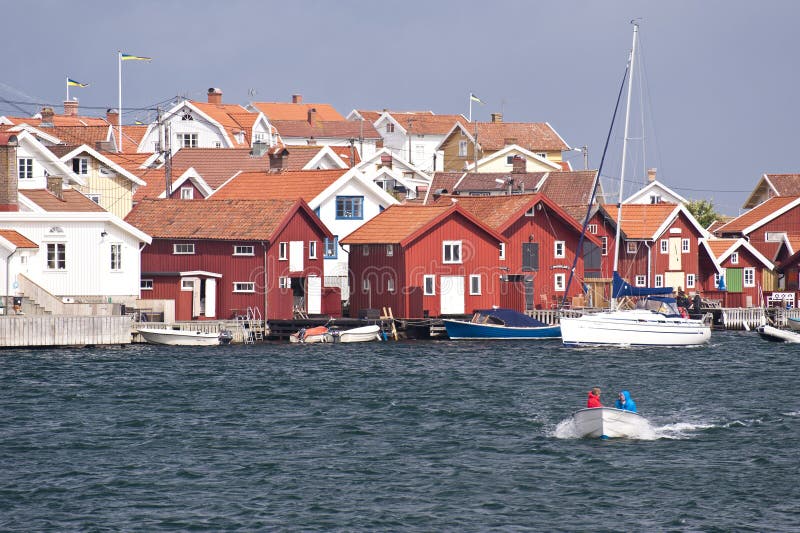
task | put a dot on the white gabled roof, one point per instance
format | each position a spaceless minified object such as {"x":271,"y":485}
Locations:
{"x":191,"y":175}
{"x":743,"y":243}
{"x":680,"y":208}
{"x":643,"y":192}
{"x":94,"y":216}
{"x":369,"y":187}
{"x":85,"y":148}
{"x":514,"y":148}
{"x":48,"y":159}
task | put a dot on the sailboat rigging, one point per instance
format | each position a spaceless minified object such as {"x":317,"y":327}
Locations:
{"x":656,"y":320}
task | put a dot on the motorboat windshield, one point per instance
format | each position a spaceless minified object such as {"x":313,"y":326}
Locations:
{"x":664,"y":306}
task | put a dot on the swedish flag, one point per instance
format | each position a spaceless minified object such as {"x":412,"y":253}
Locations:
{"x":73,"y":83}
{"x":129,"y":57}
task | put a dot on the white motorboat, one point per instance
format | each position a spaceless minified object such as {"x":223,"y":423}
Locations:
{"x":608,"y":422}
{"x":177,"y":337}
{"x":772,"y":333}
{"x":362,"y":334}
{"x":635,"y":327}
{"x":656,"y":321}
{"x":319,"y":334}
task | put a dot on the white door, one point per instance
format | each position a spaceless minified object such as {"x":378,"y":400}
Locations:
{"x":675,"y":253}
{"x":314,"y":295}
{"x":211,"y":298}
{"x":674,"y":280}
{"x":196,"y":301}
{"x":295,"y":256}
{"x":452,"y":291}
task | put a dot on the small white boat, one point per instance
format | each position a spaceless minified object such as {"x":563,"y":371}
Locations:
{"x":362,"y":334}
{"x":319,"y":334}
{"x":609,"y":422}
{"x":177,"y":337}
{"x":793,"y":323}
{"x":772,"y":333}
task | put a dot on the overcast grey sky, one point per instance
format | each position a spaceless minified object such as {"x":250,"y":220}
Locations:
{"x":721,"y":74}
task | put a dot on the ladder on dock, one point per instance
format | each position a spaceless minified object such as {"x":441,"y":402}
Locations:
{"x":388,"y":315}
{"x":251,"y":326}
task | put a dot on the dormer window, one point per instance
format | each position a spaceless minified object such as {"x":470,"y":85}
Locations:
{"x":187,"y":116}
{"x":389,"y":127}
{"x":80,"y":165}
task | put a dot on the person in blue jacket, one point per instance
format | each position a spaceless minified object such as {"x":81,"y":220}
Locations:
{"x":625,"y":402}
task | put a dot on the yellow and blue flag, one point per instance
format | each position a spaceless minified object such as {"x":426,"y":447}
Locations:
{"x":73,"y":83}
{"x":130,"y":57}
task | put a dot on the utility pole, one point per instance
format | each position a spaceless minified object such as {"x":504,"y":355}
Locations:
{"x":410,"y":125}
{"x":166,"y":151}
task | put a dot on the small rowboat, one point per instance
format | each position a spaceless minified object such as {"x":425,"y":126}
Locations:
{"x":609,"y":422}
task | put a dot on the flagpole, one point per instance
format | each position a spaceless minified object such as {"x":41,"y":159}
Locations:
{"x":119,"y":111}
{"x":67,"y":89}
{"x":470,"y":107}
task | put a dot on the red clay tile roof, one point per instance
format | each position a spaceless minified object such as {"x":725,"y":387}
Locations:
{"x":641,"y":221}
{"x":533,"y":136}
{"x":494,"y":211}
{"x":155,"y":179}
{"x":305,"y":184}
{"x":75,"y":135}
{"x":484,"y":181}
{"x":217,"y":165}
{"x":73,"y":201}
{"x":61,"y":120}
{"x":210,"y":219}
{"x":396,"y":224}
{"x":720,"y":246}
{"x":744,"y":221}
{"x":17,"y":239}
{"x":60,"y":150}
{"x":785,"y":184}
{"x":300,"y":155}
{"x":232,"y":117}
{"x":131,"y":138}
{"x":289,"y":111}
{"x":570,"y":188}
{"x":344,"y":129}
{"x":425,"y":122}
{"x":130,"y":161}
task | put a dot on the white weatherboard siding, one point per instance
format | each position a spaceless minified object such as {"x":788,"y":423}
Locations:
{"x":88,"y":257}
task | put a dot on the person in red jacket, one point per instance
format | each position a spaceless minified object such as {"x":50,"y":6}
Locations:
{"x":594,"y":398}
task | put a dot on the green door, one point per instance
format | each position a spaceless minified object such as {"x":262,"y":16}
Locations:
{"x":733,"y":279}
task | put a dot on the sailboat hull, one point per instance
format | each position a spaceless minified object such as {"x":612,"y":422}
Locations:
{"x":633,"y":328}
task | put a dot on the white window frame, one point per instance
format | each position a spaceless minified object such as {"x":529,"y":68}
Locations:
{"x":474,"y":284}
{"x":559,"y":282}
{"x":462,"y":148}
{"x":604,"y":245}
{"x":502,"y":251}
{"x":631,"y":247}
{"x":95,"y":197}
{"x":592,"y":228}
{"x":312,"y":249}
{"x":183,"y":248}
{"x":284,"y":282}
{"x":749,"y":277}
{"x":390,"y":284}
{"x":734,"y":258}
{"x":187,"y":285}
{"x":390,"y":250}
{"x":559,"y":249}
{"x":365,"y":284}
{"x":244,"y":286}
{"x":246,"y":250}
{"x":82,"y":165}
{"x":58,"y":254}
{"x":641,"y":280}
{"x":365,"y":250}
{"x":658,"y":281}
{"x":116,"y":257}
{"x":25,"y":168}
{"x":690,"y":281}
{"x":664,"y":246}
{"x":686,"y":246}
{"x":429,"y":280}
{"x":187,"y":193}
{"x":531,"y":212}
{"x":455,"y":248}
{"x":187,"y":140}
{"x":146,"y":285}
{"x":283,"y":251}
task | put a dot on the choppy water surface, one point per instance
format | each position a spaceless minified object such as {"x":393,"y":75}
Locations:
{"x":433,"y":436}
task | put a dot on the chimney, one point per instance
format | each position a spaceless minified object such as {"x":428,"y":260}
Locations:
{"x":55,"y":186}
{"x":215,"y":95}
{"x":497,"y":118}
{"x":112,"y":116}
{"x":297,"y":98}
{"x":386,"y":160}
{"x":651,"y":175}
{"x":312,"y":115}
{"x":71,"y":108}
{"x":8,"y":173}
{"x":508,"y":141}
{"x":47,"y":114}
{"x":277,"y":159}
{"x":519,"y":165}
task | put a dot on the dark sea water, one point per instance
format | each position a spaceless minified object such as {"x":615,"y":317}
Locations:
{"x":409,"y":436}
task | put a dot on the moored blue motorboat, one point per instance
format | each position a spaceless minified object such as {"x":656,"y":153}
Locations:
{"x":500,"y":324}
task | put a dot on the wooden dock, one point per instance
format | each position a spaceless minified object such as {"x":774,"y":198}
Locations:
{"x":52,"y":330}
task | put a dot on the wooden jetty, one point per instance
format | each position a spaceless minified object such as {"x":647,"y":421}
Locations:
{"x":55,"y":330}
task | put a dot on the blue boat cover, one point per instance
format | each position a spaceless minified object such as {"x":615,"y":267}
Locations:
{"x":620,"y":288}
{"x":512,"y":318}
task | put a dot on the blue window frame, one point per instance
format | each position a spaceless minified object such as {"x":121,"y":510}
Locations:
{"x":332,"y":248}
{"x":349,"y":208}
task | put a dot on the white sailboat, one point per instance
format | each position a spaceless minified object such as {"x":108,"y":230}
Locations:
{"x":656,"y":321}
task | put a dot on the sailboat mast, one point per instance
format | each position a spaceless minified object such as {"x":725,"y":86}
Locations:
{"x":624,"y":154}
